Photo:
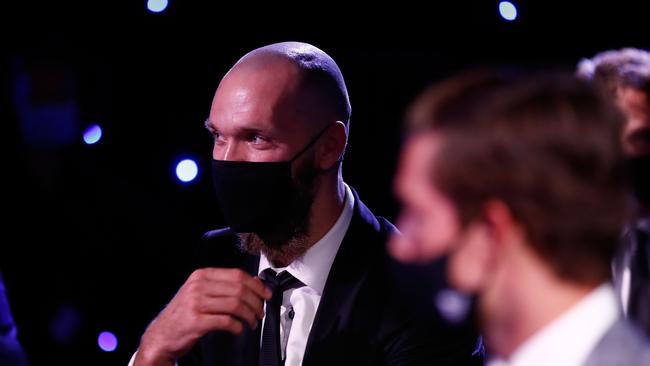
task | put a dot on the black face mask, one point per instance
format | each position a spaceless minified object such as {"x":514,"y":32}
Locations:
{"x":427,"y":287}
{"x":638,"y":175}
{"x":453,"y":306}
{"x":255,"y":196}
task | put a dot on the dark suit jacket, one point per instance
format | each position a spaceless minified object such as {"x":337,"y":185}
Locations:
{"x":364,"y":317}
{"x":635,"y":253}
{"x":11,"y":354}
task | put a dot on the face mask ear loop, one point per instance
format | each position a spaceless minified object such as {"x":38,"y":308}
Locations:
{"x":311,"y":142}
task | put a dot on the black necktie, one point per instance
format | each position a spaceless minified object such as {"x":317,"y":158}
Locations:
{"x":270,"y":354}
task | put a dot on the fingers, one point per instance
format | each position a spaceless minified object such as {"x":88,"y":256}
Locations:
{"x":234,"y":290}
{"x":235,"y":276}
{"x":229,"y":292}
{"x":222,"y":322}
{"x":228,"y":306}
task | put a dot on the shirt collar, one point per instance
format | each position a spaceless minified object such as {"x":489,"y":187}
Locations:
{"x":313,"y":268}
{"x":569,"y":339}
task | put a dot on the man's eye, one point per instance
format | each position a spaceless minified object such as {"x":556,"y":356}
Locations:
{"x":218,"y":138}
{"x":257,"y":139}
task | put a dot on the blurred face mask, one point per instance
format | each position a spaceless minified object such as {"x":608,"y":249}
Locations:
{"x":256,"y":197}
{"x":427,"y":285}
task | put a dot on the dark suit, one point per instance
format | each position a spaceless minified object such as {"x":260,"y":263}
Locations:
{"x":364,"y":317}
{"x":11,"y":354}
{"x":635,"y":255}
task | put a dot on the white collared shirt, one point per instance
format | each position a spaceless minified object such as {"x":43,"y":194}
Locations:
{"x":312,"y":270}
{"x":569,"y":339}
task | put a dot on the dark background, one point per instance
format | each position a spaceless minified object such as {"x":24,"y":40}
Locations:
{"x":99,"y":237}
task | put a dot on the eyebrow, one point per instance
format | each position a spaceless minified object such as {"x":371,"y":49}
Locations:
{"x":208,"y":125}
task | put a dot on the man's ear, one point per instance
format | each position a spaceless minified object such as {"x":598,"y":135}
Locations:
{"x":475,"y":262}
{"x":333,"y":145}
{"x":499,"y":219}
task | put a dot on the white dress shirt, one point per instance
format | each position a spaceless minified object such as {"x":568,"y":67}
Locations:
{"x":312,"y":270}
{"x":569,"y":339}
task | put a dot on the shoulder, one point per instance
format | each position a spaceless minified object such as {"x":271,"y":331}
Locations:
{"x":217,"y":234}
{"x":365,"y":220}
{"x":623,"y":344}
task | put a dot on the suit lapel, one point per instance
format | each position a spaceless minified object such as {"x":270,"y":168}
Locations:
{"x":247,"y":345}
{"x":346,"y":277}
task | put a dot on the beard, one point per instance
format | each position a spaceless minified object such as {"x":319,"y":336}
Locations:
{"x":287,"y":238}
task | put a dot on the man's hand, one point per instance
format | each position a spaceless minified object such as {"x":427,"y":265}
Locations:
{"x":211,"y":299}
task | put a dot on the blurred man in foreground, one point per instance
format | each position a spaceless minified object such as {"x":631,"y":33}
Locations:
{"x":517,"y":183}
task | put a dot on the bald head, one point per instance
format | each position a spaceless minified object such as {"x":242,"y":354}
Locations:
{"x":309,"y":80}
{"x":286,"y":93}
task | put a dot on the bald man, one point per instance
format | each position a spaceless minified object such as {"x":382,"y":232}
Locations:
{"x":301,"y":275}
